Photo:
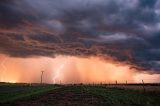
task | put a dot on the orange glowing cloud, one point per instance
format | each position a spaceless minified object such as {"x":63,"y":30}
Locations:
{"x":67,"y":69}
{"x":94,"y":70}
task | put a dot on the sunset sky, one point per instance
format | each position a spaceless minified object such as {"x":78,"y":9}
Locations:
{"x":80,"y":41}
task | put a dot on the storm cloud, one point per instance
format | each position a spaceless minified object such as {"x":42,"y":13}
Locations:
{"x":121,"y":30}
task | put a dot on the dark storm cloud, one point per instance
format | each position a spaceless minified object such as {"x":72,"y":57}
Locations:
{"x":123,"y":30}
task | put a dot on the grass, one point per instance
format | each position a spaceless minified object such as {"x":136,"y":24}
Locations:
{"x":121,"y":97}
{"x":79,"y":94}
{"x":9,"y":93}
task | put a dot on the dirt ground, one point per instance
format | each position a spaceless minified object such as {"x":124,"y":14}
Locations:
{"x":65,"y":96}
{"x":84,"y":95}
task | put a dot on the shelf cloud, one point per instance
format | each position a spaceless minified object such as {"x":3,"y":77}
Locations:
{"x":120,"y":30}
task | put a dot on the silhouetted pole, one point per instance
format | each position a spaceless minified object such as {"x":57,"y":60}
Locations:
{"x":116,"y":83}
{"x":42,"y":76}
{"x":143,"y":86}
{"x":126,"y":82}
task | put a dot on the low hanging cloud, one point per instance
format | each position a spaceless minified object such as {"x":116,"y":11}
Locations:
{"x":125,"y":30}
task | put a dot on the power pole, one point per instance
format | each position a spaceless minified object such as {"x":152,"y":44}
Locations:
{"x":143,"y":86}
{"x":116,"y":83}
{"x":42,"y":76}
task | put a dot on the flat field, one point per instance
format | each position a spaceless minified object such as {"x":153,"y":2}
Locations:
{"x":79,"y":95}
{"x":12,"y":92}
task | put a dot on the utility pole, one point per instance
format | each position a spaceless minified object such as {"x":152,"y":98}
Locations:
{"x":116,"y":83}
{"x":143,"y":86}
{"x":42,"y":76}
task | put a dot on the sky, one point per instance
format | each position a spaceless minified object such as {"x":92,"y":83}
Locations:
{"x":74,"y":41}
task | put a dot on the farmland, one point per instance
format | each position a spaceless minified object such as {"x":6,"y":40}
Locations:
{"x":78,"y":94}
{"x":11,"y":92}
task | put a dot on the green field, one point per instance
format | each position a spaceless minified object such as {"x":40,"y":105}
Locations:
{"x":76,"y":95}
{"x":127,"y":97}
{"x":12,"y":92}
